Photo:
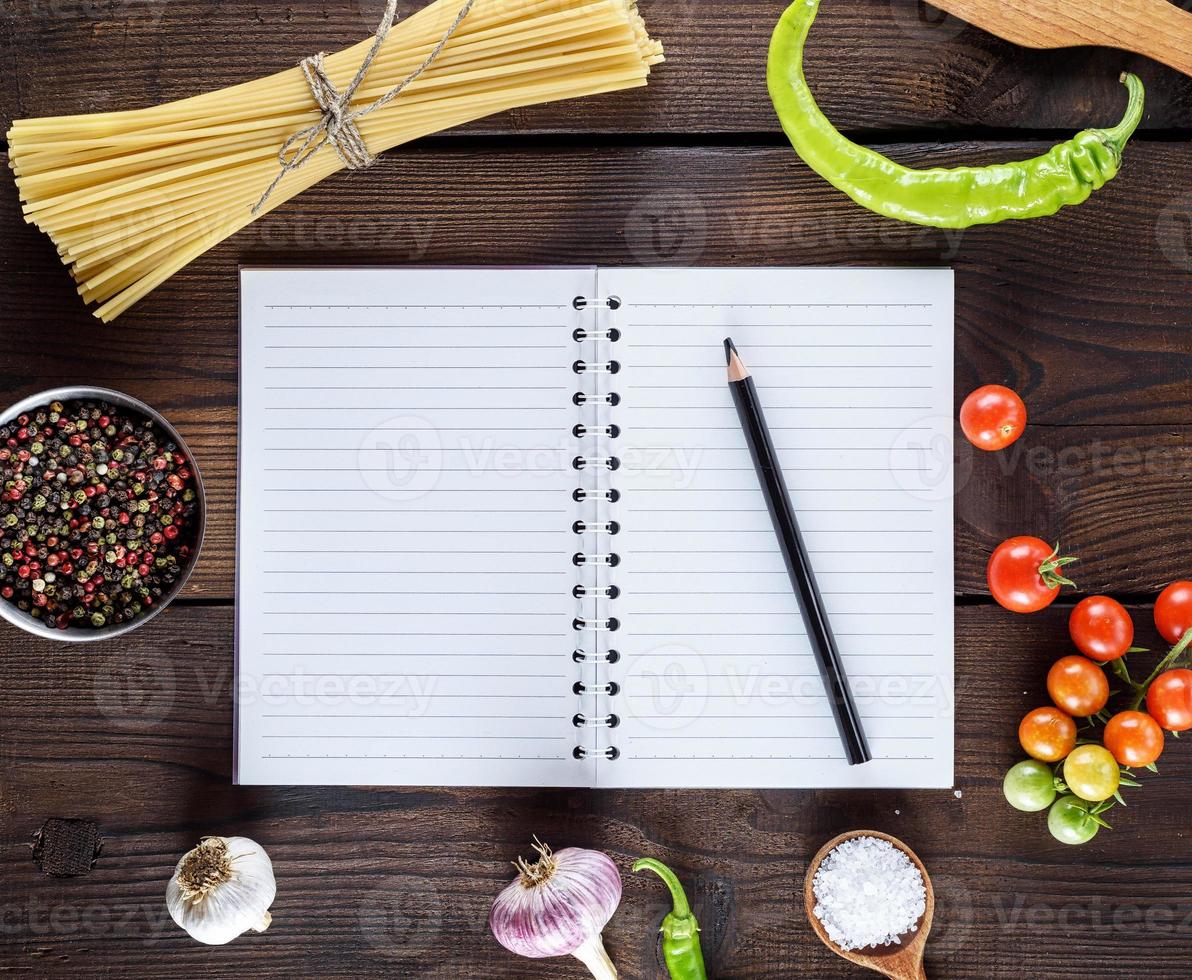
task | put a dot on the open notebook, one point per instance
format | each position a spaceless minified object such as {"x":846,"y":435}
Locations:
{"x":500,"y":526}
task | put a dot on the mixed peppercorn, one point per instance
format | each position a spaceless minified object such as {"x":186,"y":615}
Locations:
{"x":99,"y":514}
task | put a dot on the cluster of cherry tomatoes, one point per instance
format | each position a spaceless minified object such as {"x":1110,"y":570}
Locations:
{"x":1076,"y":772}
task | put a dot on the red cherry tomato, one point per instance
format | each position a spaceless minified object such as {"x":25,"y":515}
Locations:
{"x":993,"y":417}
{"x":1101,"y":628}
{"x":1134,"y":738}
{"x":1169,"y":700}
{"x":1025,"y":574}
{"x":1078,"y":686}
{"x":1173,"y":611}
{"x":1047,"y":734}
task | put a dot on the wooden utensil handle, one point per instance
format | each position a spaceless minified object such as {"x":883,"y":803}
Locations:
{"x":905,"y":971}
{"x":1162,"y":31}
{"x":1155,"y":28}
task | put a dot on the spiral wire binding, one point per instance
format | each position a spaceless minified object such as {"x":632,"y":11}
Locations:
{"x":593,"y":627}
{"x":582,"y":398}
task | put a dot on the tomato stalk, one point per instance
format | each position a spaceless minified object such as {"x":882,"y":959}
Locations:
{"x":1051,"y":571}
{"x":1165,"y":664}
{"x":1100,"y":808}
{"x":1057,"y":778}
{"x":1122,"y":671}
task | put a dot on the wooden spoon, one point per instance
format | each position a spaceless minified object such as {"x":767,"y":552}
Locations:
{"x":903,"y":962}
{"x":1155,"y":28}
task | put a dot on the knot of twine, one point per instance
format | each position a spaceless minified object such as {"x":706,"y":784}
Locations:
{"x":337,"y":125}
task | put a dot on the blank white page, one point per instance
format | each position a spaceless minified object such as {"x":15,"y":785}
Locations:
{"x":405,"y":541}
{"x":718,"y":684}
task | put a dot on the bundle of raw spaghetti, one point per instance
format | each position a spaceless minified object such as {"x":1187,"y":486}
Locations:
{"x":129,"y":198}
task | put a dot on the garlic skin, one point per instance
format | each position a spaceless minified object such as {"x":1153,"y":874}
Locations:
{"x":221,"y":889}
{"x":559,"y":906}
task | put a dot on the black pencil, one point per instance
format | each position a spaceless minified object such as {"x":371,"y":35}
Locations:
{"x":798,"y":563}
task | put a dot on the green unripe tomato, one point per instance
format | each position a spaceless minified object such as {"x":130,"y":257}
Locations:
{"x":1030,"y":786}
{"x":1070,"y":822}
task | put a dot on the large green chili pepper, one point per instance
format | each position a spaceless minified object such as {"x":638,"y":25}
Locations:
{"x":941,"y":198}
{"x":680,"y":930}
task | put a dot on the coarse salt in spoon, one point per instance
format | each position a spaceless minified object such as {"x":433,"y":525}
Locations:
{"x":900,"y":962}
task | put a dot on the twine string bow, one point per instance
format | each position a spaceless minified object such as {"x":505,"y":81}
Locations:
{"x":337,"y":125}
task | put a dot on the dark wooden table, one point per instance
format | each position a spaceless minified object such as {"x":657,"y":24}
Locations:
{"x":1089,"y":315}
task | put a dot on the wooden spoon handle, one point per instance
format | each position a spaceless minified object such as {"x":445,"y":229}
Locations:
{"x":1159,"y":30}
{"x":909,"y":971}
{"x":1155,"y":28}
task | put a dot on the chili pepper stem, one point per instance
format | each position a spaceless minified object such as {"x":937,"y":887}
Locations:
{"x":593,"y":955}
{"x":682,"y":909}
{"x":1121,"y":133}
{"x":1176,"y":652}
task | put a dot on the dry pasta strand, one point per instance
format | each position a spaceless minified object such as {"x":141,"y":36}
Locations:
{"x":130,"y":198}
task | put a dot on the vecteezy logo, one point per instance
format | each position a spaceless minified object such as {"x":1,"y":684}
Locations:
{"x":135,"y":694}
{"x":666,"y":688}
{"x":667,"y":228}
{"x":401,"y":459}
{"x":404,"y":918}
{"x":927,"y":462}
{"x":1173,"y":229}
{"x":952,"y":924}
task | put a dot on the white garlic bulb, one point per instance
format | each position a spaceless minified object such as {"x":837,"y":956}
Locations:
{"x":221,"y":889}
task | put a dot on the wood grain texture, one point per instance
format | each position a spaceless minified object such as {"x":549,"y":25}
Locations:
{"x":136,"y":736}
{"x":1088,"y":315}
{"x":875,"y":64}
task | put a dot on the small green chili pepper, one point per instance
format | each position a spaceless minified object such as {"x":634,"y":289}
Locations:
{"x":940,"y":198}
{"x":680,"y":930}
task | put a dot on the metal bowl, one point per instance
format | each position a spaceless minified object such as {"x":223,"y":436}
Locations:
{"x":75,"y":635}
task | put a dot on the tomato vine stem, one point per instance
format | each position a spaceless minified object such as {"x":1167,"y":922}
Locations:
{"x":1177,"y":651}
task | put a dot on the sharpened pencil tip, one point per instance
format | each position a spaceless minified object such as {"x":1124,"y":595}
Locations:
{"x":737,"y":371}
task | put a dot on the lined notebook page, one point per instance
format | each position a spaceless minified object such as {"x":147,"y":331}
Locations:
{"x":405,"y":576}
{"x":718,"y":682}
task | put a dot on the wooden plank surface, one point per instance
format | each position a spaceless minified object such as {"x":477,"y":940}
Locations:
{"x":876,"y":64}
{"x":136,"y":736}
{"x":1087,"y":314}
{"x":1061,"y":310}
